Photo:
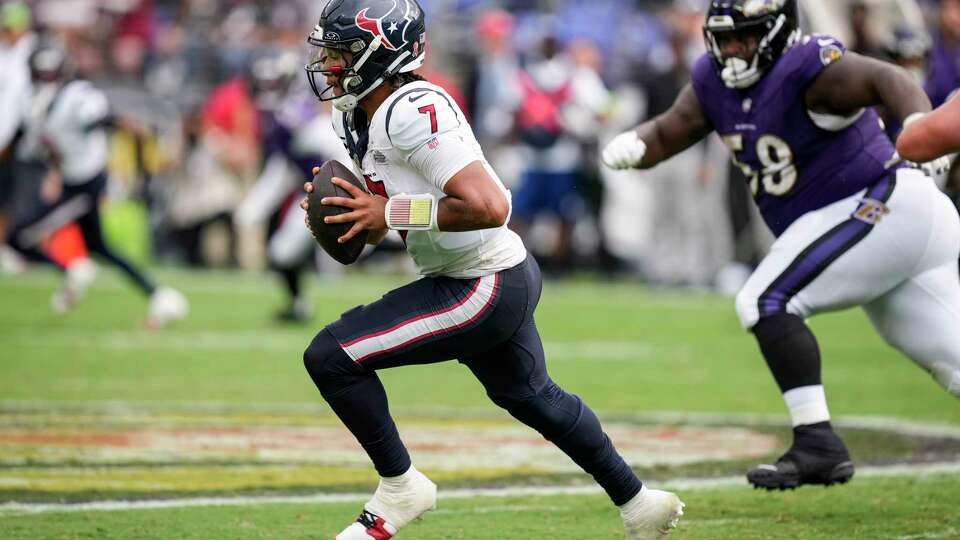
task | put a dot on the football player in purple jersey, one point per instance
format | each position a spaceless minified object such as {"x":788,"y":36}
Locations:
{"x":856,"y":225}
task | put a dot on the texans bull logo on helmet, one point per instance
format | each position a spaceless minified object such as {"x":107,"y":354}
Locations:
{"x":393,"y":35}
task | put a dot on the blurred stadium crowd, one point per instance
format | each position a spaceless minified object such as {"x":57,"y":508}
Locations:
{"x":220,"y":128}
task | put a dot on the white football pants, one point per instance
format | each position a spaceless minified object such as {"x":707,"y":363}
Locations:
{"x":892,"y":249}
{"x":291,"y":244}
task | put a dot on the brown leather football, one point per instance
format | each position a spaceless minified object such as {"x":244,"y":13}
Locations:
{"x":327,"y":234}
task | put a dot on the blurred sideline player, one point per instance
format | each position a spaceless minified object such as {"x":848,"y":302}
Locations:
{"x":944,"y":60}
{"x":855,"y":226}
{"x":16,"y":42}
{"x":428,"y":178}
{"x":64,"y":124}
{"x":932,"y":135}
{"x":296,"y":135}
{"x":909,"y":49}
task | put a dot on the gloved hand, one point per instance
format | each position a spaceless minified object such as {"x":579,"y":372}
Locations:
{"x":936,"y":169}
{"x":625,"y":151}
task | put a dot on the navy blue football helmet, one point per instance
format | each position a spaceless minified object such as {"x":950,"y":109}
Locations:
{"x":48,"y":62}
{"x":271,"y":77}
{"x":384,"y":37}
{"x":775,"y":23}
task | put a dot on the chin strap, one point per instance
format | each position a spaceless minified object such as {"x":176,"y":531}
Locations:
{"x":737,"y":73}
{"x":348,"y":102}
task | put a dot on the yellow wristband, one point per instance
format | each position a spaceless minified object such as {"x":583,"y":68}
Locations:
{"x":411,"y":212}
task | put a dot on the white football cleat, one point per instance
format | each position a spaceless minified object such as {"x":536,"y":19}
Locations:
{"x":651,"y":514}
{"x":61,"y":302}
{"x":80,"y":275}
{"x":396,"y":503}
{"x":166,"y":305}
{"x":11,"y":262}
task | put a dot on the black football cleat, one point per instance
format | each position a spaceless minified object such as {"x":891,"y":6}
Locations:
{"x":817,"y":457}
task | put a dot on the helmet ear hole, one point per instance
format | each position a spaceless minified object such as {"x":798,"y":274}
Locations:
{"x":352,"y":83}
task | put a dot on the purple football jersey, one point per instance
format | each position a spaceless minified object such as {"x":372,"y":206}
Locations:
{"x":278,"y":129}
{"x":793,"y":165}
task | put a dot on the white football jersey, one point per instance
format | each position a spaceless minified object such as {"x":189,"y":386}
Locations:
{"x":69,"y":120}
{"x":14,"y":86}
{"x":416,"y":141}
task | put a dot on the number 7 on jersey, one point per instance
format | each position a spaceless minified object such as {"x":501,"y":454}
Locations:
{"x":432,"y":111}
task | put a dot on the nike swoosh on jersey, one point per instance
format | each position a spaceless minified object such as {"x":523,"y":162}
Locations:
{"x":415,"y":98}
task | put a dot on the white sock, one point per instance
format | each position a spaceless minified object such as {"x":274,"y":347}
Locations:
{"x":395,"y":483}
{"x":630,"y":507}
{"x":807,"y":404}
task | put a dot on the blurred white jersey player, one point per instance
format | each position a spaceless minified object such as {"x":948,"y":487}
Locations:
{"x":64,"y":124}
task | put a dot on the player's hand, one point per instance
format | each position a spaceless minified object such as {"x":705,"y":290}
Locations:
{"x":305,"y":203}
{"x":367,"y":211}
{"x":308,"y":187}
{"x":51,"y":187}
{"x":625,"y":151}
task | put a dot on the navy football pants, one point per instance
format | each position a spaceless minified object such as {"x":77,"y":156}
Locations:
{"x":80,"y":204}
{"x":487,"y":323}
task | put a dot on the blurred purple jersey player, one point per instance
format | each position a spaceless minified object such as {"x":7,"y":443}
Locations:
{"x":855,"y":225}
{"x":295,"y":135}
{"x":944,"y":78}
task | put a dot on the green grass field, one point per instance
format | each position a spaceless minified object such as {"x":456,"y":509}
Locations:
{"x":643,"y":359}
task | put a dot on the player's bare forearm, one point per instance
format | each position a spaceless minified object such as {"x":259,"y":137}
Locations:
{"x":934,"y":135}
{"x":854,"y":82}
{"x":677,"y":129}
{"x":660,"y":144}
{"x":456,"y":215}
{"x":474,"y":201}
{"x":900,"y":94}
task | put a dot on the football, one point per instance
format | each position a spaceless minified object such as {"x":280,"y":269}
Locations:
{"x":326,"y":234}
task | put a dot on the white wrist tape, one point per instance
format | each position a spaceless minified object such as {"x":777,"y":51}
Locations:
{"x":412,"y":212}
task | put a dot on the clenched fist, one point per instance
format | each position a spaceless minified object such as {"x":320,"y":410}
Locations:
{"x":625,"y":151}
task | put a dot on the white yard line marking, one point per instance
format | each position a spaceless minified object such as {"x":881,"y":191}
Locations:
{"x":113,"y":408}
{"x":682,"y":484}
{"x":948,"y":533}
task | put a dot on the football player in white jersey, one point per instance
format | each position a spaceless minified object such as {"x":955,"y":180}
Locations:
{"x":64,"y":125}
{"x":427,"y":178}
